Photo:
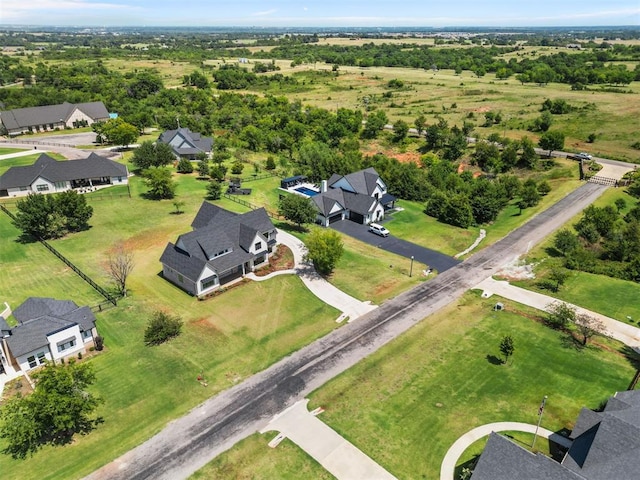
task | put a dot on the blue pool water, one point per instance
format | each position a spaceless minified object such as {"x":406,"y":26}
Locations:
{"x":306,"y":191}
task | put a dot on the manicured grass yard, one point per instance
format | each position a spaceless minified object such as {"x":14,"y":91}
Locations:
{"x":612,"y":297}
{"x":7,"y":151}
{"x":26,"y":160}
{"x":407,"y":403}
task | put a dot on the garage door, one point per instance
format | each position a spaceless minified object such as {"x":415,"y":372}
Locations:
{"x":335,"y":218}
{"x":356,"y":217}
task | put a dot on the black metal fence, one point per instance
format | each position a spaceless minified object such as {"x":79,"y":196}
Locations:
{"x":39,"y":142}
{"x":110,"y":298}
{"x":234,"y":198}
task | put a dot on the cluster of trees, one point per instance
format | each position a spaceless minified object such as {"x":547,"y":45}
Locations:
{"x":161,"y":328}
{"x":588,"y":67}
{"x":116,"y":132}
{"x":604,"y":241}
{"x":324,"y":249}
{"x":561,"y":316}
{"x":60,"y":407}
{"x":52,"y":216}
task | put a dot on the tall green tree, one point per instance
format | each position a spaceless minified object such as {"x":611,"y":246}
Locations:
{"x":60,"y":407}
{"x":552,"y":140}
{"x":297,"y":209}
{"x":324,"y":249}
{"x":150,"y":154}
{"x":118,"y":132}
{"x":160,"y":183}
{"x":375,"y":123}
{"x":75,"y":210}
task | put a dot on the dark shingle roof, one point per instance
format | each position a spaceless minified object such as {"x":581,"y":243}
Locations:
{"x":216,"y":230}
{"x":57,"y":171}
{"x":46,"y":114}
{"x":351,"y":201}
{"x":190,"y":143}
{"x":39,"y":317}
{"x":606,"y":447}
{"x":504,"y":460}
{"x":362,"y":181}
{"x":180,"y":261}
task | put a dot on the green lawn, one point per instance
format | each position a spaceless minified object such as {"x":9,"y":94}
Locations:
{"x":26,"y":160}
{"x":612,"y":297}
{"x":227,"y":338}
{"x":7,"y":151}
{"x":31,"y":270}
{"x":406,"y":404}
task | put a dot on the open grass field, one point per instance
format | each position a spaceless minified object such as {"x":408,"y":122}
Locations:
{"x":612,"y":297}
{"x":407,"y":403}
{"x":26,"y":160}
{"x":7,"y":151}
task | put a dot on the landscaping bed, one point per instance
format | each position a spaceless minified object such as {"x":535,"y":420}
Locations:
{"x":281,"y":259}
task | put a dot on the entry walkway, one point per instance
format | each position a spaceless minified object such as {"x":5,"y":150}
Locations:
{"x":350,"y":307}
{"x":627,"y":334}
{"x":338,"y":456}
{"x":447,"y":469}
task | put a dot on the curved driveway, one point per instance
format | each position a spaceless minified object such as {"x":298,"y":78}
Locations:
{"x":448,"y":467}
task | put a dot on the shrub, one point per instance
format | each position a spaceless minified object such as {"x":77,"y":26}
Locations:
{"x":184,"y":166}
{"x":161,"y":328}
{"x":99,"y":342}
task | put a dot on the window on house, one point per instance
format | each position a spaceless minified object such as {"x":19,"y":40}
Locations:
{"x":42,"y":187}
{"x":208,"y":282}
{"x":32,"y":361}
{"x":24,"y":189}
{"x":87,"y":334}
{"x":180,"y":278}
{"x":61,"y":184}
{"x":257,"y":246}
{"x":41,"y":358}
{"x":67,"y":344}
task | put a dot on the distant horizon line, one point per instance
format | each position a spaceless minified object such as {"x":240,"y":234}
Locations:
{"x":325,"y":27}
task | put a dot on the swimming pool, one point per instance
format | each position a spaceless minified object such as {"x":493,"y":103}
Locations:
{"x":306,"y":191}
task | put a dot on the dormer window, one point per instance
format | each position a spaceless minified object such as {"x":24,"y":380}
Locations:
{"x":257,"y":246}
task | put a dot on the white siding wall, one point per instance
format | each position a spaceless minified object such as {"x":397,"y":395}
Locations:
{"x":180,"y":280}
{"x":206,"y":273}
{"x":78,"y":115}
{"x":67,"y":333}
{"x":42,"y":181}
{"x":24,"y":363}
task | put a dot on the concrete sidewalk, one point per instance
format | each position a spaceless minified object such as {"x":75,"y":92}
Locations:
{"x":627,"y":334}
{"x":22,"y":154}
{"x":338,"y":456}
{"x":350,"y":307}
{"x":447,"y":469}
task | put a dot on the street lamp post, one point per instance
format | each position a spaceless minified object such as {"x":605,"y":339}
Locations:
{"x":540,"y":412}
{"x":411,"y":267}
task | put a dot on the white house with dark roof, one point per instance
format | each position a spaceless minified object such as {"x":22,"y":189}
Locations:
{"x":47,"y":330}
{"x":360,"y":197}
{"x":606,"y":446}
{"x":48,"y":175}
{"x":53,"y":117}
{"x":187,"y":144}
{"x":222,"y":247}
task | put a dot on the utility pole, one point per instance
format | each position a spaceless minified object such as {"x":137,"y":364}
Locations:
{"x":540,"y":412}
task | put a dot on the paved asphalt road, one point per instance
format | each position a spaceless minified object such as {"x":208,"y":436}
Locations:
{"x":438,"y":261}
{"x":193,"y":440}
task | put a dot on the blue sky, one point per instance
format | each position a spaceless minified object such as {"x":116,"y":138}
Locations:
{"x":297,"y":13}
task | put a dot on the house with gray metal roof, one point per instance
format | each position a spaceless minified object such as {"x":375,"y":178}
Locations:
{"x":223,"y":247}
{"x":187,"y":144}
{"x":53,"y":117}
{"x":360,"y":197}
{"x":47,"y":330}
{"x":48,"y":175}
{"x":606,"y":446}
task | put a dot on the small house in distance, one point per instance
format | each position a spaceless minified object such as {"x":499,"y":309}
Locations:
{"x":222,"y":247}
{"x":53,"y":117}
{"x":187,"y":144}
{"x":48,"y":330}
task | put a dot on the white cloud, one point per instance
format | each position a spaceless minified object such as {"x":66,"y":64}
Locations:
{"x":265,"y":13}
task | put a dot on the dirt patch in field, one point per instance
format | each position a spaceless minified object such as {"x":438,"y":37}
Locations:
{"x":401,"y":157}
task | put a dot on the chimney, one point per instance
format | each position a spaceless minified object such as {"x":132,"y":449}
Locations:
{"x":323,"y":186}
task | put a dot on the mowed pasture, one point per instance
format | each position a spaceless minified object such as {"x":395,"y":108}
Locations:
{"x":407,"y":403}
